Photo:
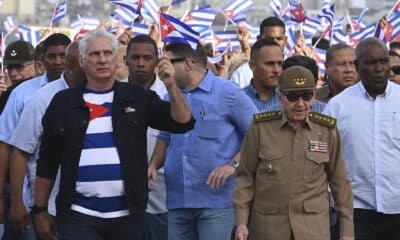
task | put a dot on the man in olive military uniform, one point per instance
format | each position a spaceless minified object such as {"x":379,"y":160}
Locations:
{"x":288,"y":158}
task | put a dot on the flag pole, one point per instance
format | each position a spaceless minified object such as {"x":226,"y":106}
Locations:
{"x":349,"y":20}
{"x":51,"y":21}
{"x":2,"y":51}
{"x":391,"y":11}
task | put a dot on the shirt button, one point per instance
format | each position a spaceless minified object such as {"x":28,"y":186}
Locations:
{"x":186,"y":135}
{"x":185,"y":157}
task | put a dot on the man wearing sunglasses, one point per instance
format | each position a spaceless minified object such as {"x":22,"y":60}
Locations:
{"x":288,"y":158}
{"x":394,"y":60}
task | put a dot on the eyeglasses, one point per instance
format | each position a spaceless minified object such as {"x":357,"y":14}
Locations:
{"x":396,"y":70}
{"x":18,"y":67}
{"x":175,"y":60}
{"x":293,"y":97}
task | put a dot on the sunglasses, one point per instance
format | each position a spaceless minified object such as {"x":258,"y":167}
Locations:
{"x":293,"y":97}
{"x":396,"y":70}
{"x":175,"y":60}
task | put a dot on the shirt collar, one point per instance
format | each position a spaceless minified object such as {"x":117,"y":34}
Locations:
{"x":285,"y":122}
{"x":384,"y":94}
{"x":253,"y":90}
{"x":207,"y":82}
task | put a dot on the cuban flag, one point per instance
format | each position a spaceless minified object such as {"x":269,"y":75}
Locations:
{"x":328,"y":13}
{"x":235,"y":7}
{"x":311,"y":26}
{"x":324,"y":5}
{"x":396,"y":7}
{"x":384,"y":30}
{"x":275,"y":7}
{"x":173,"y":30}
{"x":340,"y":36}
{"x":394,"y":20}
{"x":59,"y":12}
{"x":363,"y":12}
{"x":124,"y":15}
{"x":297,"y":12}
{"x":132,"y":6}
{"x":222,"y":39}
{"x":32,"y":37}
{"x":220,"y":57}
{"x":291,"y":40}
{"x":203,"y":17}
{"x":140,"y":29}
{"x":10,"y":24}
{"x":364,"y":33}
{"x":319,"y":56}
{"x":150,"y":11}
{"x":88,"y":23}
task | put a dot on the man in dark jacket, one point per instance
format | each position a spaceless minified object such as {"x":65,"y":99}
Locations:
{"x":96,"y":134}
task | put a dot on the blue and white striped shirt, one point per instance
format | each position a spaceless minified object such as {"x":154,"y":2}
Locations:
{"x":99,"y":185}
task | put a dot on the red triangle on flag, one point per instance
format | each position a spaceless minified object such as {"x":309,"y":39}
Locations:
{"x":188,"y":17}
{"x":166,"y":27}
{"x":228,"y":13}
{"x":96,"y":110}
{"x":388,"y":30}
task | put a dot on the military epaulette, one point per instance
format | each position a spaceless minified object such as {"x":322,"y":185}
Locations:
{"x":266,"y":116}
{"x":322,"y":119}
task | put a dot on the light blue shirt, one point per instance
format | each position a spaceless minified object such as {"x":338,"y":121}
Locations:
{"x":242,"y":75}
{"x":370,"y":133}
{"x":258,"y":102}
{"x":223,"y":113}
{"x":26,"y":136}
{"x":157,"y":196}
{"x":9,"y":118}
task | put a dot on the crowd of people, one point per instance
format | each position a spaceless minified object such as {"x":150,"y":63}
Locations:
{"x":105,"y":137}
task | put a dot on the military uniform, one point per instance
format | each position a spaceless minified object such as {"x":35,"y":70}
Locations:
{"x":284,"y":182}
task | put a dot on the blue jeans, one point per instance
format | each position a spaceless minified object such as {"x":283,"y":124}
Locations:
{"x":200,"y":223}
{"x":156,"y":226}
{"x":75,"y":225}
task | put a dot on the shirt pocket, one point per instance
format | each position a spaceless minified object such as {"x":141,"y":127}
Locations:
{"x":133,"y":119}
{"x":271,"y":163}
{"x":208,"y":129}
{"x":314,"y":165}
{"x":396,"y":126}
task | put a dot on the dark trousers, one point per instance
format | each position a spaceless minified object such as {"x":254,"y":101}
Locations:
{"x":75,"y":226}
{"x":156,"y":226}
{"x":371,"y":225}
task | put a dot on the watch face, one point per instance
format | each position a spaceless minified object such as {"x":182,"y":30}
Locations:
{"x":234,"y":163}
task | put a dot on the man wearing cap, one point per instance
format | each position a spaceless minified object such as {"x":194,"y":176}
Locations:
{"x":288,"y":158}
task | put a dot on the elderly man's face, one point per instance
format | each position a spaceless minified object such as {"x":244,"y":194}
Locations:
{"x":296,"y":105}
{"x":99,"y":62}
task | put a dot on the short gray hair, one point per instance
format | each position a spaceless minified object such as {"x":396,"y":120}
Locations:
{"x":97,"y":33}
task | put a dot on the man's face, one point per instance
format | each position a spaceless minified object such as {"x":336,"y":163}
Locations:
{"x":19,"y":72}
{"x":296,"y":105}
{"x":374,"y":67}
{"x":180,"y":66}
{"x":54,"y":61}
{"x":142,"y":62}
{"x":395,"y":69}
{"x":267,"y":66}
{"x":341,"y":70}
{"x":99,"y":62}
{"x":275,"y":33}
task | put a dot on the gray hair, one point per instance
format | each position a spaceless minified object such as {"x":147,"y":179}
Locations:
{"x":97,"y":33}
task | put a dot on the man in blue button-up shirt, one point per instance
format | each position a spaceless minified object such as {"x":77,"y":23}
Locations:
{"x":368,"y":119}
{"x":200,"y":164}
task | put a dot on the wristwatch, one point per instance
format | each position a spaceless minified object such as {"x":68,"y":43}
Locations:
{"x":234,"y":163}
{"x":37,"y":209}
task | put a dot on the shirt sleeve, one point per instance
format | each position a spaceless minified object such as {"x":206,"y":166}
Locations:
{"x":242,"y":109}
{"x":9,"y":118}
{"x":27,"y":133}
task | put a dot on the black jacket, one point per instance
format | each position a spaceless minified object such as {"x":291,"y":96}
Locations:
{"x":64,"y":129}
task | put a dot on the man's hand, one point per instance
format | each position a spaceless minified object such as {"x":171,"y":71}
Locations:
{"x":218,"y":176}
{"x":45,"y":227}
{"x":3,"y":85}
{"x":19,"y":216}
{"x":152,"y":175}
{"x":166,"y":71}
{"x":241,"y":232}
